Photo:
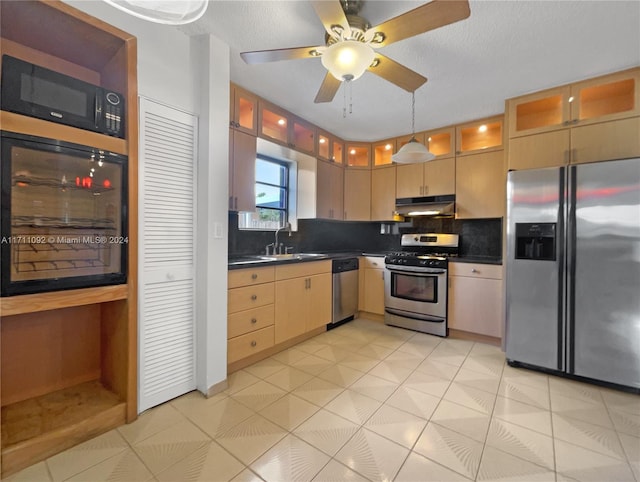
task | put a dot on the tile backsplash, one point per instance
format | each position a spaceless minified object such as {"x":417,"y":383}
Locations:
{"x":478,"y":237}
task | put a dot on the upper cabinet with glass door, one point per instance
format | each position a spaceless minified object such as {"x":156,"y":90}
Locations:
{"x":441,"y":142}
{"x":284,"y":128}
{"x":244,"y":110}
{"x":358,"y":154}
{"x":610,"y":97}
{"x":615,"y":96}
{"x":479,"y":136}
{"x":382,"y":152}
{"x":330,"y":148}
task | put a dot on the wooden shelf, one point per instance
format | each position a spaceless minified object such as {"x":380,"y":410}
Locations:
{"x":37,"y":428}
{"x":37,"y":127}
{"x":16,"y":305}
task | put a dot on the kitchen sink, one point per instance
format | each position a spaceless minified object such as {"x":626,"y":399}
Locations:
{"x":277,"y":257}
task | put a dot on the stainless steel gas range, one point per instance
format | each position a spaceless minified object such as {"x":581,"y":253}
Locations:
{"x":415,"y":282}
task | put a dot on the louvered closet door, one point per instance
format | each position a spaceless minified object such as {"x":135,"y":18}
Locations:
{"x":167,"y":215}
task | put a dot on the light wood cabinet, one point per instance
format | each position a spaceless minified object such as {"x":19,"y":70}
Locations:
{"x":242,"y":171}
{"x":284,"y":128}
{"x":432,"y":178}
{"x":372,"y":299}
{"x":302,"y":298}
{"x":593,"y":120}
{"x":441,"y":142}
{"x":383,"y":193}
{"x":382,"y":152}
{"x":330,"y":180}
{"x":358,"y":154}
{"x":480,"y":186}
{"x":69,"y":358}
{"x":482,"y":135}
{"x":475,"y":298}
{"x":548,"y":149}
{"x":601,"y":99}
{"x":243,"y":114}
{"x":250,"y":312}
{"x":357,"y":195}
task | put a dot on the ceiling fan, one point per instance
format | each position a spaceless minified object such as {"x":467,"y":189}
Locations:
{"x":351,"y":43}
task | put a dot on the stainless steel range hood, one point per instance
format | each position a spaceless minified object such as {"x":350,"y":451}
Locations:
{"x":443,"y":206}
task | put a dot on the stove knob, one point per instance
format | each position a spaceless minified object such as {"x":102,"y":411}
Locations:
{"x":423,"y":262}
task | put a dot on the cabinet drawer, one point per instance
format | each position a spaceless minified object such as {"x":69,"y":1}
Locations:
{"x":246,"y":345}
{"x":251,"y":276}
{"x":476,"y":270}
{"x":299,"y":270}
{"x":375,"y":262}
{"x":249,"y":297}
{"x":249,"y":320}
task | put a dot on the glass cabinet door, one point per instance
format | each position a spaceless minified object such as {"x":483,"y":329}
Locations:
{"x":382,"y":152}
{"x":324,"y":147}
{"x":539,"y":112}
{"x":479,"y":136}
{"x":440,"y":142}
{"x":274,"y":125}
{"x":606,"y":98}
{"x":303,"y":137}
{"x":337,"y":151}
{"x":358,"y":155}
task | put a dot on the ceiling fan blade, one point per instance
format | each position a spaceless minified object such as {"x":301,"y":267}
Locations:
{"x":430,"y":16}
{"x":262,"y":56}
{"x":396,"y":73}
{"x":331,"y":13}
{"x":328,"y":89}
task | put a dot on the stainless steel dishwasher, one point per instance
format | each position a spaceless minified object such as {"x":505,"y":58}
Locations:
{"x":345,"y":289}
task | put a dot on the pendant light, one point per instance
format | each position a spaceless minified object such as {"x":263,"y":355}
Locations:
{"x":412,"y":151}
{"x":168,"y":12}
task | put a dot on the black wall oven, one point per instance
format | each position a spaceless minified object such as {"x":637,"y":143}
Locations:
{"x":63,"y":215}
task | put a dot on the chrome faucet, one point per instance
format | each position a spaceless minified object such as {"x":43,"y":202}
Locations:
{"x":286,"y":226}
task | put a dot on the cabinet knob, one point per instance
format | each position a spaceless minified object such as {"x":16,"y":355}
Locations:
{"x":254,"y":343}
{"x":253,"y":320}
{"x":473,"y":270}
{"x":254,"y":297}
{"x":374,"y":263}
{"x":254,"y":276}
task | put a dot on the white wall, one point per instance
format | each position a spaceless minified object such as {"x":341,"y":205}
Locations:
{"x":192,"y":75}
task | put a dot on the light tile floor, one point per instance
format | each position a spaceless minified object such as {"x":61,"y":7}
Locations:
{"x":370,"y":402}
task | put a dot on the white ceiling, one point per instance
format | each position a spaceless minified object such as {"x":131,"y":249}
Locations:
{"x":504,"y":49}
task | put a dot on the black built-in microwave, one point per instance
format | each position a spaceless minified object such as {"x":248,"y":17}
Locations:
{"x":35,"y":91}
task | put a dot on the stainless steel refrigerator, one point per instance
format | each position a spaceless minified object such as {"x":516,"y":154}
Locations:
{"x":573,"y":270}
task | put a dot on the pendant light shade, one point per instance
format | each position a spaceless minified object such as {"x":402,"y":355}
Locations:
{"x":412,"y":151}
{"x":169,"y":12}
{"x":347,"y":59}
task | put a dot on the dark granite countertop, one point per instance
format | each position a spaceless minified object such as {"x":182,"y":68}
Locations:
{"x":253,"y":261}
{"x":246,"y":261}
{"x":476,"y":259}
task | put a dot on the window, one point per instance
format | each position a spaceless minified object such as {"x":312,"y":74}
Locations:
{"x":272,"y":196}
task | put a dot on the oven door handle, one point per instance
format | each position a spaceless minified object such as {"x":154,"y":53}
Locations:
{"x":420,"y":272}
{"x":414,"y":316}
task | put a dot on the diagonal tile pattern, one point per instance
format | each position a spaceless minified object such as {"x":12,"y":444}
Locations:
{"x":367,"y":402}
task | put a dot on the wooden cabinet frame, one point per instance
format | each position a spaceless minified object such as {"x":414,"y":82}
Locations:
{"x":57,"y":36}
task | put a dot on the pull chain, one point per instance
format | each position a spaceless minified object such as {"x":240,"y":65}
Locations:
{"x":350,"y":98}
{"x":344,"y":102}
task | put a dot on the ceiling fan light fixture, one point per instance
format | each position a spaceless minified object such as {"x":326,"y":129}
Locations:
{"x":412,"y":152}
{"x":348,"y":59}
{"x":168,"y":12}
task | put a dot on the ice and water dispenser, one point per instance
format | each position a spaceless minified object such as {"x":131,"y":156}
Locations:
{"x":536,"y":241}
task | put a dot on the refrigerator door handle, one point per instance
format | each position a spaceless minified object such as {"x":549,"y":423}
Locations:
{"x":571,"y":269}
{"x":561,"y":248}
